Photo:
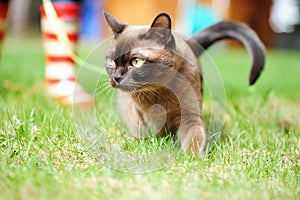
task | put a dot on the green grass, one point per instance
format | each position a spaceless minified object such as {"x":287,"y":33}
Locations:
{"x":43,"y":157}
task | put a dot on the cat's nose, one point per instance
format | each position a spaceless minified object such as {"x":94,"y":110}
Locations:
{"x":117,"y":78}
{"x":117,"y":75}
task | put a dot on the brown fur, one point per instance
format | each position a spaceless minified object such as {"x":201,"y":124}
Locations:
{"x":166,"y":92}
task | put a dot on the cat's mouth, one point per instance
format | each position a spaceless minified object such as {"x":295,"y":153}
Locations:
{"x":113,"y":82}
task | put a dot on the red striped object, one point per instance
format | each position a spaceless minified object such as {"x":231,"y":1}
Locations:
{"x":72,"y":37}
{"x":55,"y":81}
{"x":3,"y":10}
{"x":60,"y":76}
{"x":2,"y":34}
{"x":64,"y":9}
{"x":59,"y":59}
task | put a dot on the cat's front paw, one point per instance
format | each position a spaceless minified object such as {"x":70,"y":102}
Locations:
{"x":193,"y":142}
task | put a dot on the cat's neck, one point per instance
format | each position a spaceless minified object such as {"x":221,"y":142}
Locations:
{"x":146,"y":97}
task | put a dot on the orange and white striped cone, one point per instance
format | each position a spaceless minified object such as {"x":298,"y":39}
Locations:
{"x":3,"y":19}
{"x":60,"y":75}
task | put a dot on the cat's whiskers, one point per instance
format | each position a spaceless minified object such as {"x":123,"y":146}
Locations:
{"x":104,"y":88}
{"x":107,"y":93}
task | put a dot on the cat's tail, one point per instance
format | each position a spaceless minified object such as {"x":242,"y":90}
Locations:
{"x":232,"y":30}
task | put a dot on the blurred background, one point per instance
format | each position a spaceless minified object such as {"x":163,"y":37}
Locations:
{"x":276,"y":21}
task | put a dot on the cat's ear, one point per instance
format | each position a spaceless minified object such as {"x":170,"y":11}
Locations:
{"x":161,"y":29}
{"x":162,"y":20}
{"x":115,"y":24}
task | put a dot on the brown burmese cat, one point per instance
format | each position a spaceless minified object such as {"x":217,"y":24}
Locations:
{"x":158,"y":77}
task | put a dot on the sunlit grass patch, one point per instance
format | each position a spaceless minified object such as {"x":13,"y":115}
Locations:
{"x":43,"y":154}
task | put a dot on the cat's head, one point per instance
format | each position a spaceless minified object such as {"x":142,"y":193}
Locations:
{"x":140,"y":56}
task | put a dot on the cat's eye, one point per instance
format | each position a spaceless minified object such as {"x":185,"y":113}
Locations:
{"x":137,"y":62}
{"x":110,"y":63}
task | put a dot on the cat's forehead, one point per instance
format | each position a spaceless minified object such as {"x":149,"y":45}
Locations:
{"x":131,"y":33}
{"x":144,"y":52}
{"x":131,"y":41}
{"x":134,"y":28}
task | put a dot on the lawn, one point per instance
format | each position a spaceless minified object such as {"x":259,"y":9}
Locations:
{"x":43,"y":156}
